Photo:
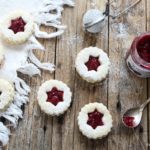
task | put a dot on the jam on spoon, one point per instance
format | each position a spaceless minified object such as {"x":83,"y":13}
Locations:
{"x":95,"y":119}
{"x":93,"y":63}
{"x":129,"y":121}
{"x":55,"y":96}
{"x":132,"y":117}
{"x":17,"y":25}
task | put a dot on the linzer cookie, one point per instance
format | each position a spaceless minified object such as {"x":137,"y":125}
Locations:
{"x":95,"y":121}
{"x":17,"y":27}
{"x":7,"y":93}
{"x":92,"y":64}
{"x":54,"y":97}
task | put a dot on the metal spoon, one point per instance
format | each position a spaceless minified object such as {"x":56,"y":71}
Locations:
{"x":135,"y":114}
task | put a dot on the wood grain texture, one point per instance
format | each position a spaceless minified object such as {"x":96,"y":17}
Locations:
{"x":119,"y":91}
{"x":84,"y":92}
{"x":148,"y":81}
{"x":125,"y":89}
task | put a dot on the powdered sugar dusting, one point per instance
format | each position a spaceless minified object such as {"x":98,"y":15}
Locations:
{"x":72,"y":39}
{"x":121,"y":30}
{"x":93,"y":4}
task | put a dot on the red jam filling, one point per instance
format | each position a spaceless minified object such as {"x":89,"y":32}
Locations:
{"x":93,"y":63}
{"x":129,"y":121}
{"x":55,"y":96}
{"x":95,"y":119}
{"x":17,"y":25}
{"x":143,"y":48}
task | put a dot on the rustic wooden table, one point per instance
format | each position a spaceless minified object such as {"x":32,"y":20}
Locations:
{"x":119,"y":91}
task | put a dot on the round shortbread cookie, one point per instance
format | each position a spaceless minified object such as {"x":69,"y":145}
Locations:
{"x":86,"y":58}
{"x":2,"y":58}
{"x":98,"y":126}
{"x":54,"y":97}
{"x":17,"y":27}
{"x":7,"y":93}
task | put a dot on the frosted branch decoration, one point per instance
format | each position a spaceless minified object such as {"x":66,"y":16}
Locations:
{"x":20,"y":25}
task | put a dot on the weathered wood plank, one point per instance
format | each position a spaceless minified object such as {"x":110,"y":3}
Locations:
{"x":63,"y":126}
{"x":148,"y":81}
{"x":80,"y":9}
{"x":31,"y":133}
{"x":100,"y":92}
{"x":84,"y":92}
{"x":125,"y":89}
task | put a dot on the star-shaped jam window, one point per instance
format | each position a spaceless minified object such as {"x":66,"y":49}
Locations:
{"x":95,"y":119}
{"x":55,"y":96}
{"x":93,"y":63}
{"x":17,"y":25}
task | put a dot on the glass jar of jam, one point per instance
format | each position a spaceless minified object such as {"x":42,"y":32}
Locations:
{"x":138,"y":57}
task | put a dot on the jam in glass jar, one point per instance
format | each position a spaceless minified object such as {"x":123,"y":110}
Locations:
{"x":138,"y":57}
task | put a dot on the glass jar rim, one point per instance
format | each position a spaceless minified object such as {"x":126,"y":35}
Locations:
{"x":135,"y":55}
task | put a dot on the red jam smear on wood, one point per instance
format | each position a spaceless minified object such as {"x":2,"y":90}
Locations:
{"x":95,"y":119}
{"x":129,"y":121}
{"x":143,"y":48}
{"x":93,"y":63}
{"x":17,"y":25}
{"x":55,"y":96}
